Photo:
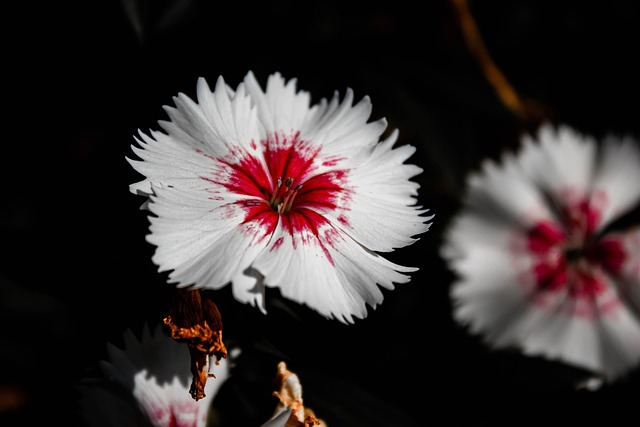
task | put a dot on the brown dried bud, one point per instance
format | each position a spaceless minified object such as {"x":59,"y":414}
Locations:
{"x":194,"y":319}
{"x":290,"y":396}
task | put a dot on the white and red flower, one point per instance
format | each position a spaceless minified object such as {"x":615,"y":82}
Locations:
{"x":260,"y":188}
{"x":155,"y":370}
{"x":547,"y":251}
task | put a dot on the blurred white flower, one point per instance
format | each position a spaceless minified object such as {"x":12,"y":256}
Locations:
{"x":155,"y":370}
{"x":259,"y":188}
{"x":546,"y":249}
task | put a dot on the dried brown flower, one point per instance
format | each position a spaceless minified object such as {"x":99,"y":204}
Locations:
{"x":194,"y":319}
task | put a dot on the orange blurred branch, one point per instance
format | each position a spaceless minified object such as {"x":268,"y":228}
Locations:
{"x":524,"y":109}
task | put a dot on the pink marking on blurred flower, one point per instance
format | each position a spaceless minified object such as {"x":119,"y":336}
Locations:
{"x":567,"y":254}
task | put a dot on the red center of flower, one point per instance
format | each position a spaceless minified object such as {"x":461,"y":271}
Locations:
{"x":286,"y":183}
{"x":570,"y":256}
{"x":282,"y":199}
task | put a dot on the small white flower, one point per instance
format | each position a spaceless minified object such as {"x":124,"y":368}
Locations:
{"x":259,"y":188}
{"x":155,"y":369}
{"x":547,"y":251}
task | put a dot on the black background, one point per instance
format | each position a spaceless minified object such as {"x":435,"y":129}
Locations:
{"x":81,"y":77}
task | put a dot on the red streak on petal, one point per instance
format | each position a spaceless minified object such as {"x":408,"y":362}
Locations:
{"x":289,"y":157}
{"x":277,"y":243}
{"x":323,"y":191}
{"x":331,"y":162}
{"x":553,"y":271}
{"x":550,"y":276}
{"x":610,"y":253}
{"x":303,"y":220}
{"x":248,"y":178}
{"x":583,"y":284}
{"x":543,"y":236}
{"x":262,"y":214}
{"x":582,"y":217}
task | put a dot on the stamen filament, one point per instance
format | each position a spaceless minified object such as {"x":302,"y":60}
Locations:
{"x":282,"y":198}
{"x":288,"y":198}
{"x":276,"y":194}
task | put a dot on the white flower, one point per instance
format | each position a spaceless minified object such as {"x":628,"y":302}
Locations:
{"x":547,"y":251}
{"x":155,"y":369}
{"x":258,"y":188}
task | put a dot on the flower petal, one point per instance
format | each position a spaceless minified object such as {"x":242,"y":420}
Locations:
{"x":319,"y":266}
{"x":339,"y":127}
{"x":489,"y":296}
{"x":382,"y":213}
{"x":620,"y":342}
{"x":618,"y":176}
{"x":202,"y":245}
{"x":601,"y":335}
{"x":248,"y":288}
{"x":504,"y":194}
{"x":627,"y":274}
{"x":281,"y":107}
{"x":343,"y":129}
{"x":197,"y":133}
{"x":559,"y":158}
{"x":554,"y":325}
{"x":279,"y":419}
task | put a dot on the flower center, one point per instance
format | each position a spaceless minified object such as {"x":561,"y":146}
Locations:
{"x":282,"y":197}
{"x":573,"y":254}
{"x":283,"y":180}
{"x":567,"y":255}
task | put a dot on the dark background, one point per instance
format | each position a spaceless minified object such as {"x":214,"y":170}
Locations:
{"x":81,"y":77}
